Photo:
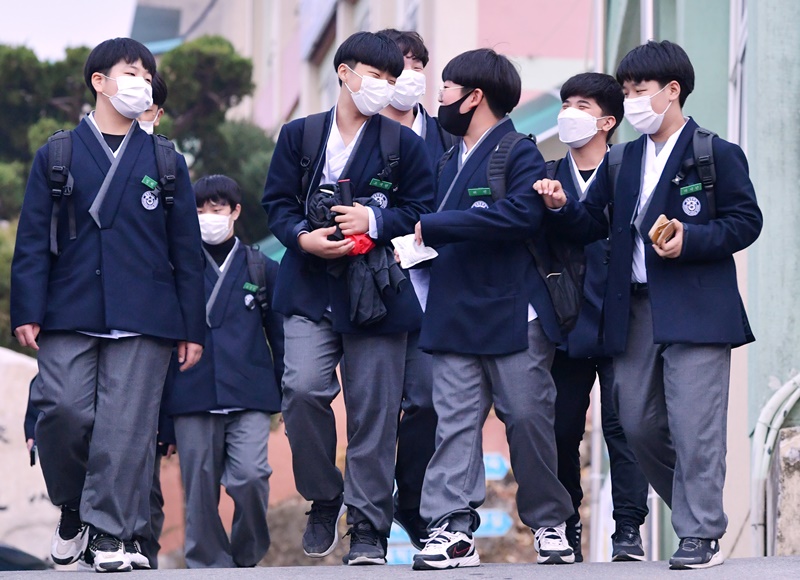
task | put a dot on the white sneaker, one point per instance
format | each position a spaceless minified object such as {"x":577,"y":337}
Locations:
{"x":107,"y":554}
{"x":134,"y":551}
{"x":70,"y":549}
{"x":552,"y":545}
{"x":445,"y":550}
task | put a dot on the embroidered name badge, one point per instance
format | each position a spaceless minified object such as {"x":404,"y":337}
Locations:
{"x":695,"y":187}
{"x":149,"y":182}
{"x":691,"y":206}
{"x":375,"y":182}
{"x":250,"y":287}
{"x":149,"y":200}
{"x":480,"y":204}
{"x":479,"y":191}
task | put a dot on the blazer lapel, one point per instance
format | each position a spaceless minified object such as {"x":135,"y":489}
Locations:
{"x":118,"y":186}
{"x":629,"y":182}
{"x":95,"y":148}
{"x":232,"y":273}
{"x":356,"y":173}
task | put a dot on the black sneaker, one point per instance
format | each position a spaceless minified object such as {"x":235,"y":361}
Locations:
{"x":412,"y":523}
{"x":626,"y":544}
{"x":107,"y":554}
{"x":366,"y":546}
{"x":696,"y":553}
{"x":320,"y":537}
{"x":70,"y":538}
{"x":573,"y":533}
{"x":138,"y":560}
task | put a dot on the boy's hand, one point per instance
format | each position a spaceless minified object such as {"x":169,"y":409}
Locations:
{"x":552,"y":193}
{"x":171,"y":448}
{"x":418,"y":233}
{"x":352,"y":220}
{"x":189,"y":354}
{"x":27,"y":334}
{"x":317,"y":243}
{"x":674,"y":246}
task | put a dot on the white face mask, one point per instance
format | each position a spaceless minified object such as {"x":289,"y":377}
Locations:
{"x":410,"y":86}
{"x":214,"y":228}
{"x":639,"y":112}
{"x":373,"y":95}
{"x":575,"y":127}
{"x":147,"y":126}
{"x":134,"y":96}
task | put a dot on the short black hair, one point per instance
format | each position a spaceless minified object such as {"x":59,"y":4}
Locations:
{"x":371,"y":49}
{"x":218,"y":189}
{"x":109,"y":52}
{"x":159,"y":90}
{"x":662,"y":61}
{"x":603,"y":88}
{"x":410,"y":43}
{"x":489,"y":71}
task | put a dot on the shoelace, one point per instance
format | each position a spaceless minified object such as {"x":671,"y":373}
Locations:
{"x":106,"y":543}
{"x":552,"y":538}
{"x":362,"y":534}
{"x":132,"y":547}
{"x":322,"y":515}
{"x":691,"y":544}
{"x":70,"y":524}
{"x":439,"y":536}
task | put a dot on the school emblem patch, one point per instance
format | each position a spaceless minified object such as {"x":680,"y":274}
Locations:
{"x":381,"y":199}
{"x":481,"y":204}
{"x":149,"y":200}
{"x":691,"y":206}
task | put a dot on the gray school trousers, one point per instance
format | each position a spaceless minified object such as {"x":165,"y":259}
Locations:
{"x":523,"y":393}
{"x":96,"y":435}
{"x":672,"y":401}
{"x":230,"y":450}
{"x":373,"y":389}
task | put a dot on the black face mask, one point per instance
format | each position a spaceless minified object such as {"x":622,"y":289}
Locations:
{"x":453,"y":121}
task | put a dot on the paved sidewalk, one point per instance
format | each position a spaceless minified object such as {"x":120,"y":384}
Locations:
{"x":738,"y":569}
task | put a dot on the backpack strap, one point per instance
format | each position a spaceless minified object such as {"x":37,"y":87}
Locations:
{"x":498,"y":163}
{"x":614,"y":160}
{"x":552,"y":167}
{"x":389,"y":139}
{"x":257,"y":273}
{"x":59,"y":177}
{"x":313,"y":130}
{"x":702,"y":143}
{"x":443,"y":161}
{"x":166,"y":161}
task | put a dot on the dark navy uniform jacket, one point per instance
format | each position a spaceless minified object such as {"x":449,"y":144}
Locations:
{"x":583,"y":341}
{"x":434,"y":137}
{"x":695,"y":298}
{"x":304,"y":288}
{"x":239,"y":369}
{"x":485,"y":277}
{"x":142,"y":272}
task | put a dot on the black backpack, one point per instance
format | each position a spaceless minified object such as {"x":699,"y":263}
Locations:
{"x":314,"y":132}
{"x":59,"y":158}
{"x":257,"y":273}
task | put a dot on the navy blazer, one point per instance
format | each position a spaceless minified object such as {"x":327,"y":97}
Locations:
{"x":485,"y":277}
{"x":304,"y":288}
{"x":695,"y":298}
{"x":139,"y":273}
{"x":239,"y":368}
{"x":584,"y":340}
{"x":433,"y":137}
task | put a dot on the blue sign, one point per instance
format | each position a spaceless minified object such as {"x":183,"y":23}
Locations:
{"x":398,"y":535}
{"x":494,"y":523}
{"x":496,"y":465}
{"x":400,"y":555}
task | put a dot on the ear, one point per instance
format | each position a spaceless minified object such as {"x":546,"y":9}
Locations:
{"x":98,"y":80}
{"x":608,"y":123}
{"x":474,"y":100}
{"x":674,"y":90}
{"x":236,"y":212}
{"x":159,"y":113}
{"x":342,"y":72}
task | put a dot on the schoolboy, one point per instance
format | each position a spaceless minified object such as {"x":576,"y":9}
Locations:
{"x":672,"y":311}
{"x":151,"y":118}
{"x":313,"y":294}
{"x":416,"y":434}
{"x":590,"y":113}
{"x":489,"y":323}
{"x":221,"y":408}
{"x":106,"y":292}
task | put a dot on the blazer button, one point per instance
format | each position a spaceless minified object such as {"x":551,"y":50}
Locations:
{"x":619,"y":229}
{"x":97,"y":272}
{"x":619,"y":296}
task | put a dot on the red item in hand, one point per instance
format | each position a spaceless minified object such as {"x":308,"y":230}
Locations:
{"x":363,"y":244}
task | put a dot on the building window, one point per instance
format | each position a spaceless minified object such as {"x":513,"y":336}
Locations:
{"x":737,"y":81}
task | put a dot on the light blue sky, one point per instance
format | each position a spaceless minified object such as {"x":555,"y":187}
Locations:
{"x":50,"y":26}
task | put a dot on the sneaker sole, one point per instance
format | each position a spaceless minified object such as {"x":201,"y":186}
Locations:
{"x":716,"y":560}
{"x":627,"y":557}
{"x":342,"y":511}
{"x":466,"y":562}
{"x":117,"y":566}
{"x":555,"y":558}
{"x":366,"y":561}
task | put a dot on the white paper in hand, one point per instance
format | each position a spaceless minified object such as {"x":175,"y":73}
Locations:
{"x":410,"y":253}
